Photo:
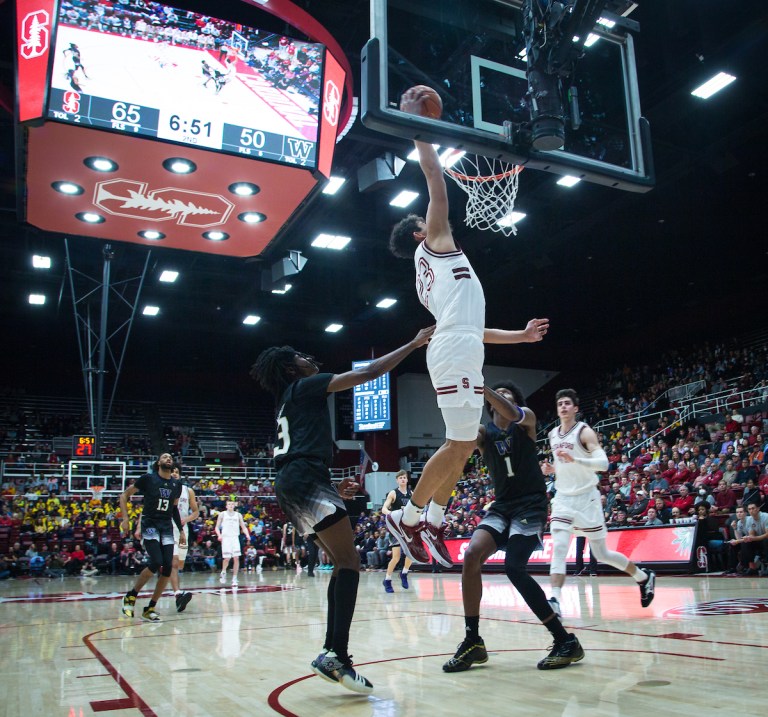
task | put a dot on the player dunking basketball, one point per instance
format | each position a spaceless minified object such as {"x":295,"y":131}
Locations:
{"x":449,"y":288}
{"x":303,"y":482}
{"x":576,"y":507}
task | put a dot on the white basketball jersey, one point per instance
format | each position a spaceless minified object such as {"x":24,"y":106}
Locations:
{"x":571,"y":478}
{"x":184,"y":510}
{"x":230,"y":524}
{"x":448,"y":286}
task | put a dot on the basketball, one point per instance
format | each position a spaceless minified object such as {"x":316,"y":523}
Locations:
{"x":431,"y":104}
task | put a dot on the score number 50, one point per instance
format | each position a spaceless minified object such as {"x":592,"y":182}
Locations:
{"x":252,"y":138}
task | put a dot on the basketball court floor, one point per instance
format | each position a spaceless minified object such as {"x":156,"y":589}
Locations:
{"x":699,"y":649}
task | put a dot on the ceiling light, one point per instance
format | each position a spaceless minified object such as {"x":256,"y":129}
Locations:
{"x":605,"y":22}
{"x":386,"y":303}
{"x":511,"y":219}
{"x":90,"y":217}
{"x":591,"y":39}
{"x":244,"y":189}
{"x":152,"y":234}
{"x":334,"y":184}
{"x":100,"y":164}
{"x":177,"y":165}
{"x":414,"y":154}
{"x":568,"y":181}
{"x":522,"y":54}
{"x":251,"y":217}
{"x":715,"y":84}
{"x":403,"y":199}
{"x":68,"y":188}
{"x":286,"y":288}
{"x":37,"y":299}
{"x":251,"y":320}
{"x":333,"y":328}
{"x":169,"y":276}
{"x":41,"y":262}
{"x":150,"y":310}
{"x":450,"y":156}
{"x":216,"y":236}
{"x":330,"y":241}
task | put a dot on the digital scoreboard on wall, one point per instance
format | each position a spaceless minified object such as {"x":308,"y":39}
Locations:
{"x":370,"y":403}
{"x":156,"y":71}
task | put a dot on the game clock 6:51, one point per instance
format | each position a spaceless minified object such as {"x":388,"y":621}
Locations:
{"x":195,"y":129}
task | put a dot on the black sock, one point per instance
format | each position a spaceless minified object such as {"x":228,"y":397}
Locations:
{"x":152,"y":604}
{"x":346,"y":596}
{"x":556,"y":628}
{"x":331,"y":613}
{"x":472,"y":626}
{"x":131,"y":593}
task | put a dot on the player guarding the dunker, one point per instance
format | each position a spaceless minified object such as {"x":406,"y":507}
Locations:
{"x":159,"y":514}
{"x":449,"y":288}
{"x":514,"y":523}
{"x":302,"y":455}
{"x":576,"y":507}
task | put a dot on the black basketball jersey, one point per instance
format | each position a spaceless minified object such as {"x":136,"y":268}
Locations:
{"x":304,"y":422}
{"x":401,"y":499}
{"x":512,"y":460}
{"x":159,"y":494}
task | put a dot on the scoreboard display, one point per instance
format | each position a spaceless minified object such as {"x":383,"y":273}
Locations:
{"x":371,"y":403}
{"x":83,"y":446}
{"x":160,"y":72}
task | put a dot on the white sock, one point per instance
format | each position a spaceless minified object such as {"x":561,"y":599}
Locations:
{"x":404,"y":571}
{"x":412,"y":514}
{"x":436,"y":513}
{"x":639,"y":576}
{"x":556,"y":593}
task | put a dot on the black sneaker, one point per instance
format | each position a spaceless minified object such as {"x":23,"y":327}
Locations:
{"x":563,"y":654}
{"x":647,"y":588}
{"x":471,"y":651}
{"x":333,"y":668}
{"x":182,"y":600}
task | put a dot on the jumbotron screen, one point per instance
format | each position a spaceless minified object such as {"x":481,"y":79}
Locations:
{"x":154,"y":70}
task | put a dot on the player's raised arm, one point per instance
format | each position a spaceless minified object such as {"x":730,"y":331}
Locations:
{"x":534,"y":331}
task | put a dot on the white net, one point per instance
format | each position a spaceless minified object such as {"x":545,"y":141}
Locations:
{"x":491,"y":188}
{"x":97,"y":493}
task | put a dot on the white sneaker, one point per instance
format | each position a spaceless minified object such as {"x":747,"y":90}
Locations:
{"x":234,"y":582}
{"x":223,"y":578}
{"x":554,"y":603}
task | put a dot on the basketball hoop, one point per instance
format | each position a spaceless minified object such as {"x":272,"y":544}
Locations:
{"x":97,"y":491}
{"x":491,"y":188}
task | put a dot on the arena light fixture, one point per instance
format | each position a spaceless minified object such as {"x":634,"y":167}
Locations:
{"x":403,"y":199}
{"x":331,"y":241}
{"x":179,"y":165}
{"x":333,"y":328}
{"x":151,"y":234}
{"x":413,"y":155}
{"x":100,"y":164}
{"x":713,"y":85}
{"x":282,"y":290}
{"x":90,"y":217}
{"x":150,"y":310}
{"x":334,"y":184}
{"x":386,"y":303}
{"x":251,"y":217}
{"x":244,"y":189}
{"x":216,"y":235}
{"x":251,"y":320}
{"x":169,"y":276}
{"x":568,"y":181}
{"x":41,"y":262}
{"x":450,"y":156}
{"x":37,"y":299}
{"x":68,"y":188}
{"x":511,"y":219}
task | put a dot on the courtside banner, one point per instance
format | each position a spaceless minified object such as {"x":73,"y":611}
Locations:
{"x":662,"y":544}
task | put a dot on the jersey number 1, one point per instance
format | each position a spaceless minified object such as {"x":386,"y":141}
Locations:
{"x":508,"y":463}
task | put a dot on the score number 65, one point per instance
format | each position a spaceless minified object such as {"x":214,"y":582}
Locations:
{"x":126,"y":113}
{"x":252,"y":138}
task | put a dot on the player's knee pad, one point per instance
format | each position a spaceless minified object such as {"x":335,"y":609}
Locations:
{"x":153,"y":567}
{"x":560,"y":541}
{"x":601,"y":552}
{"x":166,"y":570}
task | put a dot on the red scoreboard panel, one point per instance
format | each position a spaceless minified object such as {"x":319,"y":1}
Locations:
{"x":101,"y":80}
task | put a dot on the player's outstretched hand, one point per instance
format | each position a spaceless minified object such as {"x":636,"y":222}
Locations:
{"x":536,"y":329}
{"x":410,"y":101}
{"x":125,"y":527}
{"x":424,"y":336}
{"x":347,"y":488}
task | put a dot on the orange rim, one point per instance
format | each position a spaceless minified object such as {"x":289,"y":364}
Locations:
{"x":479,"y":178}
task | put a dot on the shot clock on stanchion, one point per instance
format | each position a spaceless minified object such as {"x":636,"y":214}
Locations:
{"x":84,"y":446}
